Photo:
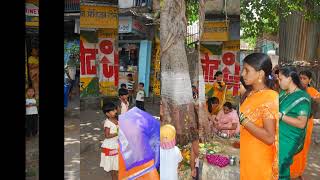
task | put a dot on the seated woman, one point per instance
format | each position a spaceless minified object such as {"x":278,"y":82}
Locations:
{"x":227,"y":120}
{"x":213,"y":109}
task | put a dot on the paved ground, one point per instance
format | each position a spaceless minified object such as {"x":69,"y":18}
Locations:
{"x":32,"y":158}
{"x":91,"y":128}
{"x":313,"y":169}
{"x":72,"y":140}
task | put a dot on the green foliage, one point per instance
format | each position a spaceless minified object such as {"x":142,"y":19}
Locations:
{"x":192,"y":11}
{"x":258,"y":16}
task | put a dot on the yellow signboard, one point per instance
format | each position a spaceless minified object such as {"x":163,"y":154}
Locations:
{"x":98,"y":17}
{"x":215,"y":31}
{"x":32,"y":24}
{"x":231,"y":45}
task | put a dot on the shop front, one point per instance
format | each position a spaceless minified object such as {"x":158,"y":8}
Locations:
{"x":135,"y":51}
{"x":32,"y":34}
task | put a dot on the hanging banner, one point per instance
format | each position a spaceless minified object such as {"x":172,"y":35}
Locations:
{"x":98,"y":17}
{"x":228,"y":63}
{"x":215,"y":31}
{"x":156,"y":70}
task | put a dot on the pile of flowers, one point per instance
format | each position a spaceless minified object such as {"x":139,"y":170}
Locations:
{"x":217,"y":160}
{"x":186,"y":154}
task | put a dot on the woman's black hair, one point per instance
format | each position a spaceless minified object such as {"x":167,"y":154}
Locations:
{"x":123,"y":92}
{"x":293,"y":73}
{"x":306,"y":73}
{"x":212,"y":100}
{"x":218,"y":73}
{"x":261,"y":61}
{"x":109,"y":106}
{"x":228,"y":105}
{"x":123,"y":85}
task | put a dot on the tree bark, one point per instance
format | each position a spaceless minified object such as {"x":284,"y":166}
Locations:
{"x":176,"y":93}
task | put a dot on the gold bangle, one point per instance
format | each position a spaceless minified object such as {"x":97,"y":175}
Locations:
{"x":245,"y":121}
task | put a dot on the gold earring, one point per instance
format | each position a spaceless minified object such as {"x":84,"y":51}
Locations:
{"x":260,"y":80}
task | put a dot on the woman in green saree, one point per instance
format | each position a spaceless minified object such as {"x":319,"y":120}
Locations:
{"x":295,"y":108}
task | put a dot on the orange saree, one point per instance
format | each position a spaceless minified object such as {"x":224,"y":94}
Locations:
{"x":126,"y":175}
{"x":259,"y":160}
{"x":300,"y":160}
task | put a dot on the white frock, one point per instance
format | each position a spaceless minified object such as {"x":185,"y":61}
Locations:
{"x":169,"y":161}
{"x":110,"y":163}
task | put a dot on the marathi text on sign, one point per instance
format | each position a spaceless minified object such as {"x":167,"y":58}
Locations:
{"x":98,"y":17}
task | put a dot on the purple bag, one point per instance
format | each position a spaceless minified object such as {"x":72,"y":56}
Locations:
{"x":139,"y":138}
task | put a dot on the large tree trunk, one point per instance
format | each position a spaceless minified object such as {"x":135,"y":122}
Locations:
{"x":204,"y":129}
{"x":176,"y":93}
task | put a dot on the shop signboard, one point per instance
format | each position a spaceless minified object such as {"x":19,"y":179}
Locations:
{"x":215,"y":31}
{"x":125,"y":24}
{"x":32,"y":14}
{"x":98,"y":16}
{"x":138,"y":26}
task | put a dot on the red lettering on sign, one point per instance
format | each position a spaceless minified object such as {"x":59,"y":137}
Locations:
{"x":208,"y":66}
{"x":86,"y":58}
{"x":228,"y":58}
{"x":106,"y":47}
{"x":106,"y":68}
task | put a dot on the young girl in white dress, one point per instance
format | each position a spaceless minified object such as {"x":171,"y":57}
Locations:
{"x":170,"y":155}
{"x":109,"y":154}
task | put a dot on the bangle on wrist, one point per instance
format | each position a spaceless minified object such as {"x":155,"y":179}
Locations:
{"x":245,"y":122}
{"x":282,"y":115}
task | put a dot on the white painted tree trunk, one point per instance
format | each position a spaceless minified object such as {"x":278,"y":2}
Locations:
{"x":176,"y":93}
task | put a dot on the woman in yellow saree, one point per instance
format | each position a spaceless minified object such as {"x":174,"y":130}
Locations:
{"x":219,"y":88}
{"x":259,"y":120}
{"x":300,"y":159}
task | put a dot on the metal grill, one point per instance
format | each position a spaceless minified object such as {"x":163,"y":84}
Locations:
{"x":192,"y":36}
{"x":72,"y":6}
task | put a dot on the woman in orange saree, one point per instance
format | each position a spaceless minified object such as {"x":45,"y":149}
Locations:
{"x":259,"y":120}
{"x":300,"y":159}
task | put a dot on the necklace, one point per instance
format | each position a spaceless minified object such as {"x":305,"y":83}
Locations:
{"x":286,"y":95}
{"x":254,"y":92}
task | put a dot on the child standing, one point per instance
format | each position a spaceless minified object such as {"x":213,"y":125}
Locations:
{"x":31,"y":113}
{"x":123,"y":103}
{"x":130,"y":87}
{"x":109,"y":154}
{"x":170,"y":155}
{"x":140,"y":97}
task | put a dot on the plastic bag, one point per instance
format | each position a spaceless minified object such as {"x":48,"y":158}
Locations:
{"x":139,"y":138}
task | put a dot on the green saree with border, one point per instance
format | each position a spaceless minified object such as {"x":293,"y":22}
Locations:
{"x":291,"y":139}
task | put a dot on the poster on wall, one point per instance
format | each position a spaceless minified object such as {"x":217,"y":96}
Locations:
{"x":215,"y":58}
{"x":99,"y":67}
